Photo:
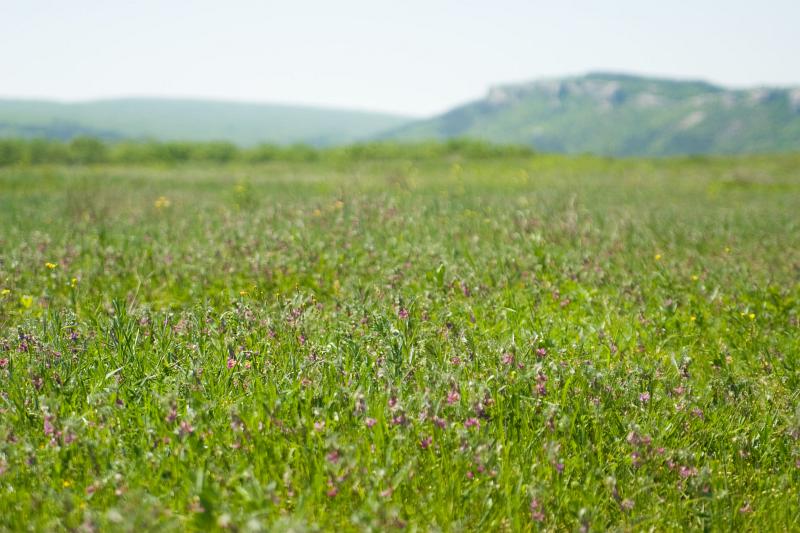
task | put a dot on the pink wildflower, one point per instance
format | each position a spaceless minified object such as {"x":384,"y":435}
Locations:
{"x":536,"y":511}
{"x":452,"y":397}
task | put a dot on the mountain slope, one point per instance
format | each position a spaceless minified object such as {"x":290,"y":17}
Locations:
{"x":616,"y":114}
{"x":190,"y":120}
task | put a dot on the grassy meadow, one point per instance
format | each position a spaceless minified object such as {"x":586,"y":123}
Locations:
{"x":453,"y":343}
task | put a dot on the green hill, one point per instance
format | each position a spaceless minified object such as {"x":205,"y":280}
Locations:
{"x":190,"y":120}
{"x":615,"y":114}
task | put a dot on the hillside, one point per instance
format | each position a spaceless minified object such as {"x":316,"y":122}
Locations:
{"x":190,"y":120}
{"x":615,"y":114}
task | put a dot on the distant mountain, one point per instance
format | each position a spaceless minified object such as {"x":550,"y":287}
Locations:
{"x":622,"y":115}
{"x":191,"y":120}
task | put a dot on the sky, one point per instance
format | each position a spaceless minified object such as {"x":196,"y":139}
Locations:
{"x":415,"y":57}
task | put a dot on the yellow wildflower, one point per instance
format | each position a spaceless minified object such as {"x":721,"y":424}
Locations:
{"x":162,"y":202}
{"x":657,"y":257}
{"x":5,"y":292}
{"x":51,"y":266}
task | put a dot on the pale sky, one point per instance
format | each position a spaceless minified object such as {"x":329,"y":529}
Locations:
{"x":409,"y":56}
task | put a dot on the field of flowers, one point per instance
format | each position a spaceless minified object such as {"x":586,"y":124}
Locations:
{"x":458,"y":344}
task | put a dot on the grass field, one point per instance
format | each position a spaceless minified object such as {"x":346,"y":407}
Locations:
{"x":516,"y":343}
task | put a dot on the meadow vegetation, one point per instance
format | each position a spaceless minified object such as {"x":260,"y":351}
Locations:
{"x":435,"y":340}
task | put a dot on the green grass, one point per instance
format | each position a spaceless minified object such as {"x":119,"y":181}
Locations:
{"x":515,"y":344}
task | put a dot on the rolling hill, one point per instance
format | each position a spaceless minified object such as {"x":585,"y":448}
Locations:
{"x":190,"y":120}
{"x":614,"y":114}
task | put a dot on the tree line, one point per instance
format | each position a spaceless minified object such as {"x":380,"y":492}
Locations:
{"x":89,"y":151}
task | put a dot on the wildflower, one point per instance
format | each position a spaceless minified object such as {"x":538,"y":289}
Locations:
{"x":162,"y":202}
{"x":50,"y":266}
{"x":3,"y":362}
{"x":508,"y":359}
{"x":541,"y":384}
{"x":472,"y":422}
{"x":751,"y":316}
{"x":231,"y":362}
{"x":402,"y":313}
{"x":425,"y":443}
{"x":636,"y":459}
{"x":746,"y":509}
{"x":73,"y":282}
{"x":66,"y":484}
{"x":695,"y":277}
{"x":5,"y":292}
{"x":26,"y":301}
{"x":49,"y":429}
{"x":536,"y":511}
{"x":195,"y":506}
{"x":693,"y":318}
{"x":644,"y":397}
{"x":399,"y":420}
{"x":186,"y":428}
{"x":657,"y":257}
{"x":333,"y":456}
{"x":369,"y":422}
{"x":626,"y":504}
{"x":442,"y":423}
{"x":452,"y":397}
{"x":541,"y":352}
{"x":319,"y":426}
{"x":332,"y":490}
